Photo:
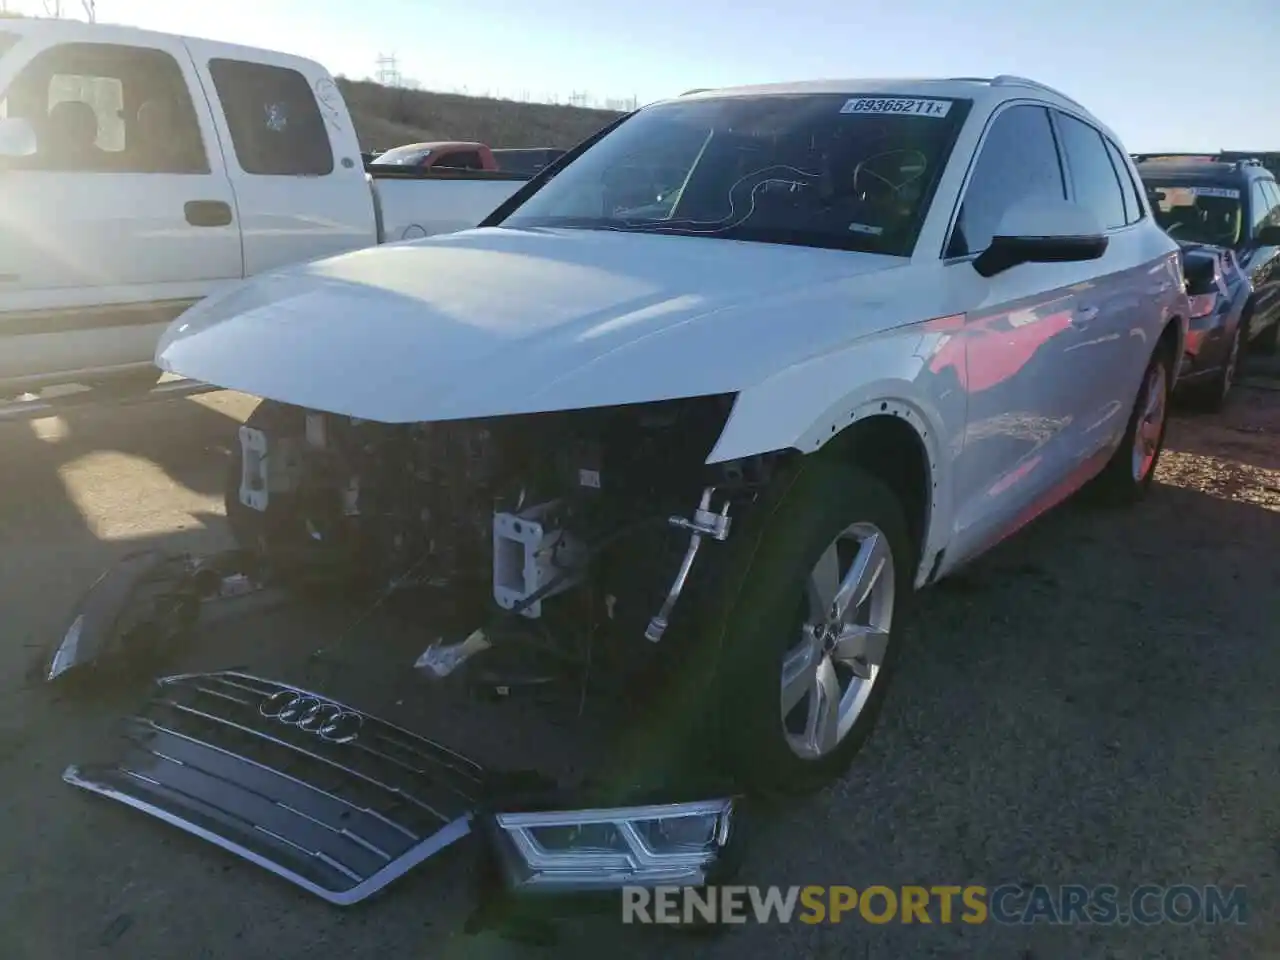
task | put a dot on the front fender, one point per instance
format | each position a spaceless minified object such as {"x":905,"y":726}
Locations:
{"x":917,"y":373}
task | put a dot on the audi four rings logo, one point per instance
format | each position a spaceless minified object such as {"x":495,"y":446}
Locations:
{"x":329,"y":721}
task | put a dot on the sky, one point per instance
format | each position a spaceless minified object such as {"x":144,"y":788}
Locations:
{"x":1173,"y":75}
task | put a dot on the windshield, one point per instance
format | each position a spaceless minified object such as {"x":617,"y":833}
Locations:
{"x":404,"y":156}
{"x":1195,"y":213}
{"x":823,"y":170}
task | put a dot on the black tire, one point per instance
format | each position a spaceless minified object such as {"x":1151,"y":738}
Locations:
{"x":1118,"y":483}
{"x":750,"y":616}
{"x":1212,"y":395}
{"x":1268,"y":344}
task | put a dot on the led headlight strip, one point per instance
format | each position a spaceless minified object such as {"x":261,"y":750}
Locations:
{"x":600,"y":848}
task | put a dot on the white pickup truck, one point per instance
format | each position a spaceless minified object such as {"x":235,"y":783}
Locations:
{"x":140,"y":171}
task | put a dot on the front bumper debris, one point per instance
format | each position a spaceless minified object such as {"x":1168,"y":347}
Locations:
{"x":317,"y":792}
{"x":341,"y":803}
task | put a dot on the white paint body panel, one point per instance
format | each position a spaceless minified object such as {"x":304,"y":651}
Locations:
{"x":1019,"y":385}
{"x":489,"y":322}
{"x":413,"y":209}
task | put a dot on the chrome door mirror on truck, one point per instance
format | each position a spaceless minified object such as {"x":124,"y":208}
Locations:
{"x":1042,"y":231}
{"x":17,"y":138}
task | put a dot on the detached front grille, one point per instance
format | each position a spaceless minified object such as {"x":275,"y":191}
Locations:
{"x":316,"y":791}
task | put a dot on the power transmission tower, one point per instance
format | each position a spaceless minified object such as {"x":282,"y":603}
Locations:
{"x":388,"y":70}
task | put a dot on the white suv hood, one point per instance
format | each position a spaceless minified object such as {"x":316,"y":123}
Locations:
{"x":498,"y":321}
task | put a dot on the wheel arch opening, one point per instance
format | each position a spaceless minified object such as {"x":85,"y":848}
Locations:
{"x":890,"y":449}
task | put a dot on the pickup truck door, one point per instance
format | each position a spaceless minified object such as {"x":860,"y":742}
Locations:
{"x":123,"y":217}
{"x":292,"y":155}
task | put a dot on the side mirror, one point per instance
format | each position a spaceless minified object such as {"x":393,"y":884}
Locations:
{"x":1268,"y":236}
{"x":17,"y":138}
{"x":1042,"y":231}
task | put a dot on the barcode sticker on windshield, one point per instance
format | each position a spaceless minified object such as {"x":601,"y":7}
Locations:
{"x":904,"y":105}
{"x":1225,"y":192}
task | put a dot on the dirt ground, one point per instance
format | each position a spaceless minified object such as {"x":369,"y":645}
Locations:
{"x":1095,"y":702}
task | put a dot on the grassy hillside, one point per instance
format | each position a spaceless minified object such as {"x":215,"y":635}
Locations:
{"x":387,"y":117}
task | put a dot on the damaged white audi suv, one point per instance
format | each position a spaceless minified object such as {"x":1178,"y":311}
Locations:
{"x":723,"y":387}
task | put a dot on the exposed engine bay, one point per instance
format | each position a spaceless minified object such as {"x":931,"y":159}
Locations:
{"x":554,"y":553}
{"x":587,"y":517}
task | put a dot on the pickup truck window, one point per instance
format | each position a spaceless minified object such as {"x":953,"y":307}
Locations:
{"x":7,"y":40}
{"x":1017,"y":160}
{"x":824,"y":170}
{"x":409,"y":156}
{"x":461,"y":160}
{"x":108,"y":108}
{"x":275,"y":123}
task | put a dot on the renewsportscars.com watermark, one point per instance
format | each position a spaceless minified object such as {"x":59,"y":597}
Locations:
{"x":1009,"y":904}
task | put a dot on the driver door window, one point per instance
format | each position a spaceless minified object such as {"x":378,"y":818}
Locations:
{"x":1259,"y":206}
{"x":1018,"y":160}
{"x":108,"y":108}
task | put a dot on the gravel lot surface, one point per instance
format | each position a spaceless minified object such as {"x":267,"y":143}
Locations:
{"x":1096,"y":702}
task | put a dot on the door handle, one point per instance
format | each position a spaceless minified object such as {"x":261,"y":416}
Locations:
{"x":207,"y":213}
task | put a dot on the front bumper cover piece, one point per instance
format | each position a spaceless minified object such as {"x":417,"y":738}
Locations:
{"x":341,"y":803}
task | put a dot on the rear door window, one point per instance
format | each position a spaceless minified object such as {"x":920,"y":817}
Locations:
{"x":275,"y":123}
{"x":1094,"y":179}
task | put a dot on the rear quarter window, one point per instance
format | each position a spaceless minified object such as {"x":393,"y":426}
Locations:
{"x":275,"y":123}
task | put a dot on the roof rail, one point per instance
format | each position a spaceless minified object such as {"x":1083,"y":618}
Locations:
{"x":1202,"y":157}
{"x":690,"y":93}
{"x":1010,"y":80}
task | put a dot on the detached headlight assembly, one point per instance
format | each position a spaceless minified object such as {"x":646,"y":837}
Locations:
{"x":664,"y":844}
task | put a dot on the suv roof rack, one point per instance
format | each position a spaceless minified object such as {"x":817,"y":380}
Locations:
{"x":1233,"y":160}
{"x":1012,"y":80}
{"x":690,"y":93}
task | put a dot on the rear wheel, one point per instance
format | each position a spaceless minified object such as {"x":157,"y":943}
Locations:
{"x":1128,"y":475}
{"x":808,"y":627}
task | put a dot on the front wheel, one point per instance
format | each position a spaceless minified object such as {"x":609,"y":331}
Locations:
{"x":1128,"y":475}
{"x":1212,"y":396}
{"x":809,"y":627}
{"x":1268,"y":344}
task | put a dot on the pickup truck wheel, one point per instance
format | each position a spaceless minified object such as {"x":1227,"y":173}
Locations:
{"x":1128,"y":474}
{"x":811,"y":624}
